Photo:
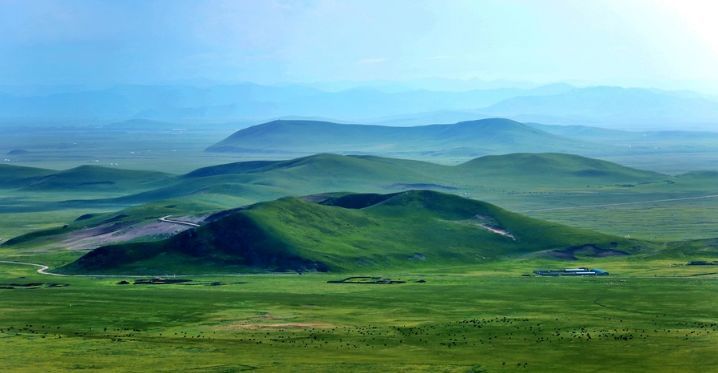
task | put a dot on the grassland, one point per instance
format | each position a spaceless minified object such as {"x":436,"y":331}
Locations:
{"x":173,"y":151}
{"x":677,"y":220}
{"x":645,"y":317}
{"x":653,"y":313}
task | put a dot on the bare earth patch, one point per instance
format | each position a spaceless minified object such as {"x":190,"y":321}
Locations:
{"x":498,"y":231}
{"x":92,"y":238}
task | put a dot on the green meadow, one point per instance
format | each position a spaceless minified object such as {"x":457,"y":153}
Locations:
{"x":658,"y":316}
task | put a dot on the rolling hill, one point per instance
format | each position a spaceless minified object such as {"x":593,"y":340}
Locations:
{"x":553,"y":169}
{"x":16,"y":176}
{"x":653,"y":140}
{"x":87,"y":178}
{"x":350,"y":232}
{"x":265,"y":180}
{"x":479,"y":137}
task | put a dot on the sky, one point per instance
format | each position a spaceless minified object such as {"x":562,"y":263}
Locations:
{"x":670,"y":44}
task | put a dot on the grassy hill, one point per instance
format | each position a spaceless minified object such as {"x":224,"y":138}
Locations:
{"x":349,"y":232}
{"x":477,"y":137}
{"x":133,"y":223}
{"x":14,"y":176}
{"x":94,"y":178}
{"x":264,"y":180}
{"x":553,"y":169}
{"x":522,"y":182}
{"x":623,"y":141}
{"x":328,"y":166}
{"x":508,"y":180}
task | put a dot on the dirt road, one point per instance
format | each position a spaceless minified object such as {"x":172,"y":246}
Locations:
{"x":166,"y":219}
{"x":42,"y":269}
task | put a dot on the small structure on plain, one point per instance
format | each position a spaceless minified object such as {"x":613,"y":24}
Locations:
{"x":580,"y":271}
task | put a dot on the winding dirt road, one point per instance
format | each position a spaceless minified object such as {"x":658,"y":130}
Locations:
{"x":166,"y":219}
{"x":42,"y":269}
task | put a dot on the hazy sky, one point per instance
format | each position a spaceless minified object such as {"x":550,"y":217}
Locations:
{"x":670,"y":44}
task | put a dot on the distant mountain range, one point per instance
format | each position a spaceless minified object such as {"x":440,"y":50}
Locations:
{"x":473,"y":138}
{"x":610,"y":107}
{"x":613,"y":107}
{"x":461,"y":140}
{"x":247,"y":101}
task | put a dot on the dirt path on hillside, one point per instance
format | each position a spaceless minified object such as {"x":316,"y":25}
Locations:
{"x":166,"y":219}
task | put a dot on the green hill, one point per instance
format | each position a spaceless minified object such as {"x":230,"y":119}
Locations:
{"x":15,"y":176}
{"x":350,"y":232}
{"x":97,"y":178}
{"x":328,"y":166}
{"x":264,"y":180}
{"x":699,"y":176}
{"x":554,"y":169}
{"x":483,"y":136}
{"x":492,"y":178}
